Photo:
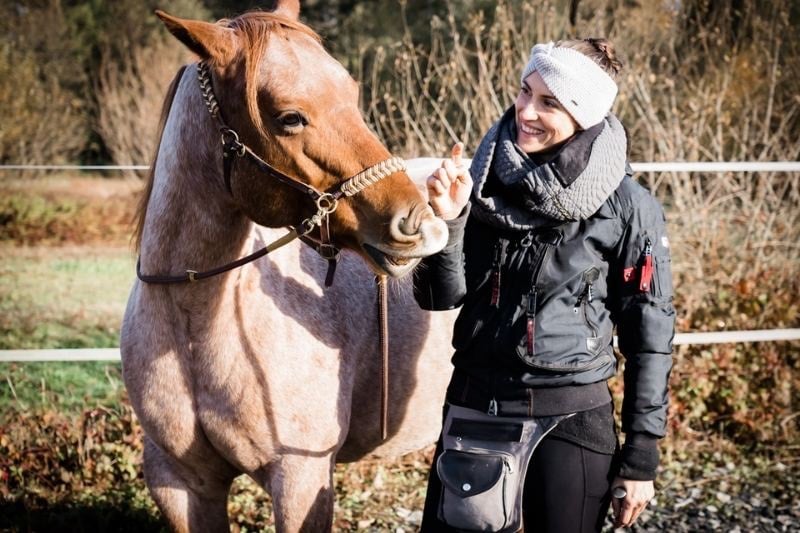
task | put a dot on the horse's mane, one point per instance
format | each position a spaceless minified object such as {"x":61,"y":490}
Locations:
{"x":144,"y":199}
{"x":255,"y":27}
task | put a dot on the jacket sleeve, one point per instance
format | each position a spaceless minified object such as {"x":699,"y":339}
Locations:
{"x":439,"y":282}
{"x":645,"y":320}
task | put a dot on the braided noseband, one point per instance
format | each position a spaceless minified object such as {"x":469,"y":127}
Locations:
{"x":373,"y":174}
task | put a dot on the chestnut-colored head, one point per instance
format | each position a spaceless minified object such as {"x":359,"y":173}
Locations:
{"x":297,"y":107}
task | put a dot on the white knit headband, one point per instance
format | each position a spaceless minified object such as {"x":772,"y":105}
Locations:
{"x":582,"y":86}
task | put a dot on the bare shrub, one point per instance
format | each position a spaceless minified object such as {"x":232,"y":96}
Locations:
{"x":41,"y":120}
{"x":423,"y":97}
{"x":130,"y":92}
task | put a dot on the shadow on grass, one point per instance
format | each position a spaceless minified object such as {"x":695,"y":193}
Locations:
{"x":77,"y":518}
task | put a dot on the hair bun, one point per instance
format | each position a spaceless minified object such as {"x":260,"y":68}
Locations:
{"x":611,"y":62}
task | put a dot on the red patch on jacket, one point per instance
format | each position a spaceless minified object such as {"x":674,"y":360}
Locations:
{"x":627,"y":274}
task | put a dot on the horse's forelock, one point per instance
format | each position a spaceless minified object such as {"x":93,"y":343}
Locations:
{"x":256,"y":28}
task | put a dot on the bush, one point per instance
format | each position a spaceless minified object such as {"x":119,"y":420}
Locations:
{"x":129,"y":97}
{"x":42,"y":121}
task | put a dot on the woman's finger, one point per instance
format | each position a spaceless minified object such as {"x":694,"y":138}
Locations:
{"x":435,"y":184}
{"x":625,"y":515}
{"x":457,"y":152}
{"x":444,"y":177}
{"x":637,"y":510}
{"x":451,"y":170}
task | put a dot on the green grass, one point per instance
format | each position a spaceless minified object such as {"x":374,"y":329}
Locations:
{"x":62,"y":297}
{"x":65,"y":387}
{"x":65,"y":297}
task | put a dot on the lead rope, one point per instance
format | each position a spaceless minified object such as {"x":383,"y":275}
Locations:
{"x":383,"y":335}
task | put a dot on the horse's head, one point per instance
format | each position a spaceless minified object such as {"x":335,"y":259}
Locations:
{"x":297,"y":108}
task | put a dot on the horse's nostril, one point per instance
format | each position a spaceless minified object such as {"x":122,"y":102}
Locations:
{"x":410,"y":224}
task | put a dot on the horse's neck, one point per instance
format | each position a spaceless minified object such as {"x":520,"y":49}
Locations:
{"x":191,"y":221}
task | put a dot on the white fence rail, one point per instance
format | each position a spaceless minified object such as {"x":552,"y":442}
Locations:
{"x":112,"y":354}
{"x":421,"y":166}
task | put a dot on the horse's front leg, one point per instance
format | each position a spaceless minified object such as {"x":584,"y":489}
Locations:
{"x":302,"y":492}
{"x":192,"y":497}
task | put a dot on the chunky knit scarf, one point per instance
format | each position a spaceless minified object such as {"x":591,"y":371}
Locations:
{"x":531,"y":194}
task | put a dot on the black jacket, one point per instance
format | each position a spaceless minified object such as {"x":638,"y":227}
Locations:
{"x":538,"y":309}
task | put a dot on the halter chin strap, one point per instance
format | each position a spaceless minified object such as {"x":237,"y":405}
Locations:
{"x":326,"y":202}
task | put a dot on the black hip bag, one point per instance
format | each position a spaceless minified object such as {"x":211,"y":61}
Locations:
{"x":483,"y":467}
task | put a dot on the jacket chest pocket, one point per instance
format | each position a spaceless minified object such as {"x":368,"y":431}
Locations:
{"x":651,"y":272}
{"x":662,"y":276}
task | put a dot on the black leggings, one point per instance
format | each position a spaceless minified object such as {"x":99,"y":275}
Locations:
{"x":566,"y":490}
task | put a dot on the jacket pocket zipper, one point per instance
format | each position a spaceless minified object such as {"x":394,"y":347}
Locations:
{"x":594,"y":363}
{"x":586,"y":297}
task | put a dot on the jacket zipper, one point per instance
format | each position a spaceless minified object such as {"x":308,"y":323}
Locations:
{"x":497,"y":266}
{"x":596,"y":363}
{"x":531,"y":305}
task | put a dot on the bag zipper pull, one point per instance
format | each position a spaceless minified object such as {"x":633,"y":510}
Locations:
{"x":492,"y":411}
{"x":531,"y":327}
{"x":647,"y":267}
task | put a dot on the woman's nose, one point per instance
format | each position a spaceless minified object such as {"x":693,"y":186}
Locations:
{"x":529,"y":112}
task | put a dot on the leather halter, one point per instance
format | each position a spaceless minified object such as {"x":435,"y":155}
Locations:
{"x":326,"y":202}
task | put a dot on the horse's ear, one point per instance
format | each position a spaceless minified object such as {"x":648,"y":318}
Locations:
{"x":288,"y":8}
{"x":209,"y":41}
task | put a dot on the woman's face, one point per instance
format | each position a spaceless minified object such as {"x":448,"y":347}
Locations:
{"x":541,"y":121}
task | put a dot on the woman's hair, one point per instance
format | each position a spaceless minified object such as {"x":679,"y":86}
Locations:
{"x":601,"y":51}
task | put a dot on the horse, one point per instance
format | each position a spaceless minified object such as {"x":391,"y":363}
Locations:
{"x":261,"y":370}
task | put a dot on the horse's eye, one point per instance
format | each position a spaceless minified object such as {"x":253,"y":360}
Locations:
{"x":292,"y":120}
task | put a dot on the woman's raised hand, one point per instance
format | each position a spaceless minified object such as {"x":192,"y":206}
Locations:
{"x":450,"y":185}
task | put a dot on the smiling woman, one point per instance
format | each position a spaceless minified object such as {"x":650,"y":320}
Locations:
{"x":551,"y":247}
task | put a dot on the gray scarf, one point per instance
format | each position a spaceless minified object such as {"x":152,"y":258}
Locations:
{"x":533,"y":194}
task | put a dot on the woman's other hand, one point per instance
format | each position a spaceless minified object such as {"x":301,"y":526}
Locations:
{"x":450,"y":185}
{"x":628,"y":508}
